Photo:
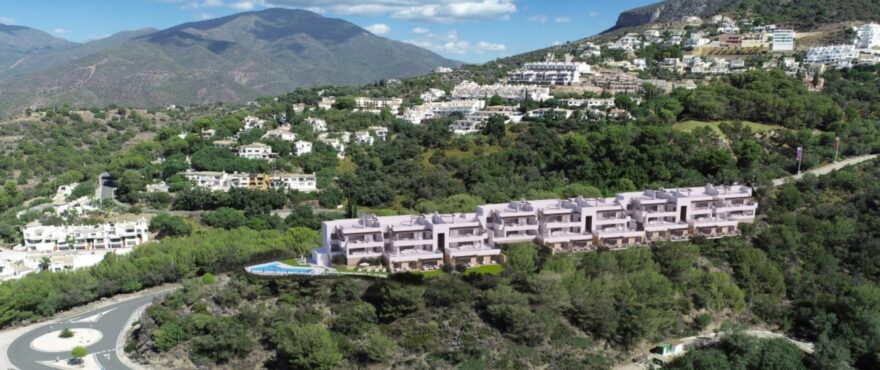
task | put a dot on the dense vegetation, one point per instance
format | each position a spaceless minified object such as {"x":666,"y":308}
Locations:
{"x":40,"y":295}
{"x":807,"y":14}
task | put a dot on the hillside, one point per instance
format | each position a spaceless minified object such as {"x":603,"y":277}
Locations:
{"x":229,"y":59}
{"x":18,"y":42}
{"x":798,"y":13}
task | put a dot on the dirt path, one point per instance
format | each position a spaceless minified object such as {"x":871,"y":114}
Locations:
{"x":826,"y":169}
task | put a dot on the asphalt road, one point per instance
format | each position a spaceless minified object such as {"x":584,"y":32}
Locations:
{"x":823,"y":170}
{"x":111,"y":323}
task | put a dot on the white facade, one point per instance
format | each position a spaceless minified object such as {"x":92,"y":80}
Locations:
{"x":868,"y":36}
{"x":221,"y":181}
{"x":473,"y":90}
{"x":302,"y":147}
{"x":379,"y":131}
{"x":466,"y":126}
{"x":839,"y":56}
{"x":256,"y":151}
{"x":119,"y":235}
{"x":327,"y":102}
{"x":337,"y":145}
{"x":378,"y":103}
{"x":251,"y":122}
{"x":543,"y":112}
{"x":783,"y":40}
{"x":426,"y":111}
{"x":364,"y":138}
{"x":281,"y":133}
{"x":317,"y":124}
{"x":432,"y":95}
{"x":577,"y":224}
{"x":549,"y":73}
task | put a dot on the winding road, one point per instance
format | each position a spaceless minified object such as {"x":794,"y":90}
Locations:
{"x":826,"y":169}
{"x":111,"y":320}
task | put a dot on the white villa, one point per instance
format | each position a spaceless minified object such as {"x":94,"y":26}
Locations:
{"x":251,"y":122}
{"x":473,"y":90}
{"x":302,"y":147}
{"x":561,"y":225}
{"x":256,"y":151}
{"x":317,"y":124}
{"x":222,"y":181}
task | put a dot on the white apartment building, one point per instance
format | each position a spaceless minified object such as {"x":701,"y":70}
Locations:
{"x":426,"y":111}
{"x":317,"y":124}
{"x":592,"y":103}
{"x":256,"y":151}
{"x":364,"y":138}
{"x":432,"y":95}
{"x":549,"y":73}
{"x":301,"y":148}
{"x":473,"y":90}
{"x":378,"y":103}
{"x":543,"y":112}
{"x":868,"y":36}
{"x":251,"y":122}
{"x":466,"y":126}
{"x":118,"y":235}
{"x":783,"y":40}
{"x":839,"y":56}
{"x":697,"y":39}
{"x":221,"y":181}
{"x":576,"y":224}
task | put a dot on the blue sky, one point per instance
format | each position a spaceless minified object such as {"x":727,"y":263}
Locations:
{"x":467,"y":30}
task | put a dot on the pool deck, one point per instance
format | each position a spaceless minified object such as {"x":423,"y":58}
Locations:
{"x":277,"y":268}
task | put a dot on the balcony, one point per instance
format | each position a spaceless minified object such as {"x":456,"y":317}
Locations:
{"x":619,"y":233}
{"x":411,"y":255}
{"x":472,"y":250}
{"x":364,"y":243}
{"x":411,"y":242}
{"x":462,"y":238}
{"x":562,"y":223}
{"x":514,"y":238}
{"x":366,"y":252}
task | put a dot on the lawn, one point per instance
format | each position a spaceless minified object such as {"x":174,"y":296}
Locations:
{"x":485,"y":269}
{"x":691,"y":125}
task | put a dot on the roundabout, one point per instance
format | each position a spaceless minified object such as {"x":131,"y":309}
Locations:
{"x":53,"y":343}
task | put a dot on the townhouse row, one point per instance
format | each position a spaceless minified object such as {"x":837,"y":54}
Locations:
{"x":222,"y":181}
{"x":562,"y":225}
{"x":46,"y":238}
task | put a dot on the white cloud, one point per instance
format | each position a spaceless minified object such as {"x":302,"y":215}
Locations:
{"x":212,"y":3}
{"x":593,"y":14}
{"x":484,"y":46}
{"x":243,"y":5}
{"x":562,"y":19}
{"x":538,"y":18}
{"x":378,"y":28}
{"x":440,"y":11}
{"x":450,"y":43}
{"x":59,"y":31}
{"x":204,"y":16}
{"x":421,"y":31}
{"x":7,"y":21}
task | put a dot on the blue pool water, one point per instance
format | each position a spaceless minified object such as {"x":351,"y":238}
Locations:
{"x":278,"y":268}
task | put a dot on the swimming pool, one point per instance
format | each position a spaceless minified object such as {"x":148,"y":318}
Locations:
{"x":278,"y":268}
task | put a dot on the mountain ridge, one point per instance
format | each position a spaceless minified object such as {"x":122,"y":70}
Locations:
{"x":229,"y":59}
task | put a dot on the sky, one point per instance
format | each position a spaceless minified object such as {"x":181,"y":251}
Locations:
{"x":473,"y":31}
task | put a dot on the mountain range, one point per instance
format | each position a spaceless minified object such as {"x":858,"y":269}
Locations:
{"x":230,"y":59}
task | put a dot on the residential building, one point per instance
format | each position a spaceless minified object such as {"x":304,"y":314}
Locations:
{"x":589,"y":103}
{"x":378,"y":103}
{"x":221,"y":181}
{"x":337,"y":145}
{"x":208,"y":133}
{"x":426,"y":111}
{"x":473,"y":90}
{"x":224,"y":143}
{"x":281,"y":133}
{"x":327,"y":102}
{"x":543,"y":112}
{"x":783,"y":40}
{"x":256,"y":151}
{"x":839,"y":56}
{"x":432,"y":95}
{"x":302,"y":147}
{"x":317,"y":124}
{"x":549,"y":73}
{"x":697,"y":39}
{"x":44,"y":238}
{"x":251,"y":122}
{"x":442,"y":70}
{"x":868,"y":36}
{"x":379,"y":131}
{"x":730,"y":40}
{"x":576,"y":224}
{"x":364,"y":138}
{"x":467,"y":126}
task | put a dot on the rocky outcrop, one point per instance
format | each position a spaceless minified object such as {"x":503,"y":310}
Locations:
{"x":666,"y":11}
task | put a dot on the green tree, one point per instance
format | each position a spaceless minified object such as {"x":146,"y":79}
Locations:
{"x":79,"y":352}
{"x":379,"y":348}
{"x":307,"y":346}
{"x":226,"y":218}
{"x":164,"y":225}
